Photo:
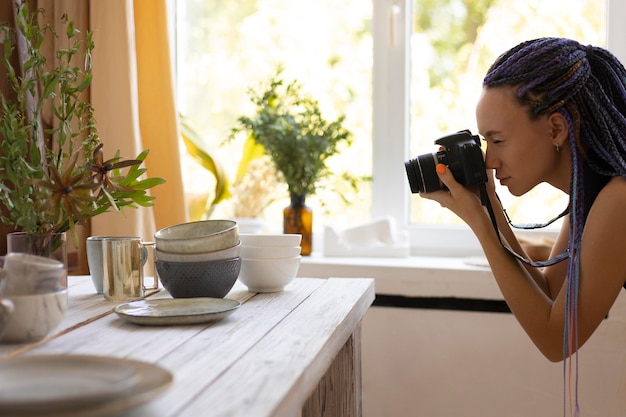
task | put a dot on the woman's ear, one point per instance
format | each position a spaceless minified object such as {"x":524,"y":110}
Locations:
{"x":558,"y":129}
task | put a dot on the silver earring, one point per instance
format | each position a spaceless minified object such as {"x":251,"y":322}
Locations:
{"x":558,"y":148}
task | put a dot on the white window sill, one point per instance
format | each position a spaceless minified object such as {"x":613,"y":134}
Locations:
{"x":415,"y":276}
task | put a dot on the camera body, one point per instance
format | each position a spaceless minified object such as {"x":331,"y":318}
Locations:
{"x":460,"y":152}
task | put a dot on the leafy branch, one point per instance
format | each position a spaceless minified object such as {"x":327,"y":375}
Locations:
{"x":293,"y":132}
{"x":54,"y":176}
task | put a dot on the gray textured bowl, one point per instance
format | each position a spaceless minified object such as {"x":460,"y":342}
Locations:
{"x":198,"y":279}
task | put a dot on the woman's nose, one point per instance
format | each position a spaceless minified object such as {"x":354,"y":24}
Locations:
{"x":490,"y":160}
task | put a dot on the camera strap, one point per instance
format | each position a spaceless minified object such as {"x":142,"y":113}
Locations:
{"x":484,"y":197}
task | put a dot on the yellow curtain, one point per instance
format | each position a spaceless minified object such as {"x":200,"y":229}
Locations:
{"x":133,"y":96}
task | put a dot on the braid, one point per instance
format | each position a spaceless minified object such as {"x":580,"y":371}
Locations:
{"x":587,"y":85}
{"x":551,"y":73}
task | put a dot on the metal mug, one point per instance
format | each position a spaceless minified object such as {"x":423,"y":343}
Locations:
{"x":123,"y":260}
{"x":94,"y":258}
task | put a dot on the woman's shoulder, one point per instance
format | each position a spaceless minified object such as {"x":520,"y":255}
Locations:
{"x":615,"y":185}
{"x":613,"y":194}
{"x":604,"y":237}
{"x":609,"y":207}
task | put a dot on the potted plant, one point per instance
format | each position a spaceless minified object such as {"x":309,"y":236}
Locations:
{"x":53,"y":174}
{"x":288,"y":124}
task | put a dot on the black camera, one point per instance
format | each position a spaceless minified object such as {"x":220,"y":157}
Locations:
{"x":460,"y":152}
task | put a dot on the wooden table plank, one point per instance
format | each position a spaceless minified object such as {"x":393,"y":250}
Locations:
{"x":184,"y":350}
{"x":262,"y":360}
{"x":293,"y":359}
{"x":215,"y":353}
{"x":85,"y":306}
{"x":338,"y":393}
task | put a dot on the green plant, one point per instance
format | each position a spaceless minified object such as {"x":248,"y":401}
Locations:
{"x":290,"y":127}
{"x":54,"y":176}
{"x":193,"y":145}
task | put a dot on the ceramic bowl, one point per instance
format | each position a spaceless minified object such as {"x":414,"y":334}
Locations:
{"x":32,"y":316}
{"x":198,"y":279}
{"x":26,"y":274}
{"x":217,"y":255}
{"x":269,"y":252}
{"x":268,"y":275}
{"x":270,"y":240}
{"x":197,"y":237}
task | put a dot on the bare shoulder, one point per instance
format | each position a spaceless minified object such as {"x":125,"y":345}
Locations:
{"x":609,"y":208}
{"x":602,"y":256}
{"x":616,"y":183}
{"x":604,"y":238}
{"x":613,"y":194}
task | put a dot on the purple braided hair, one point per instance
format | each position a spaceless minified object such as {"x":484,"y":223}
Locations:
{"x":587,"y":85}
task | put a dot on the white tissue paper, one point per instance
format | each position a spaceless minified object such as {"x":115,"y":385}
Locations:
{"x":378,"y":238}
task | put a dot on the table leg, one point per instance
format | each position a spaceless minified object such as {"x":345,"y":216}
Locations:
{"x":338,"y":393}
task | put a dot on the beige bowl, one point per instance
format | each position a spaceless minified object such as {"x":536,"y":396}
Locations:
{"x":218,"y":255}
{"x":271,"y":252}
{"x":270,"y":240}
{"x":268,"y":275}
{"x":197,"y":237}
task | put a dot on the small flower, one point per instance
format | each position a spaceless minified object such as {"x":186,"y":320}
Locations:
{"x":66,"y":195}
{"x":252,"y":193}
{"x":102,"y":169}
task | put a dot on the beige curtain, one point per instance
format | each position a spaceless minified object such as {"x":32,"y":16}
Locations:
{"x":133,"y":96}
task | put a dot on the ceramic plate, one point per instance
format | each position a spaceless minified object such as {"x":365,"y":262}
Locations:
{"x":176,"y":310}
{"x":73,"y":385}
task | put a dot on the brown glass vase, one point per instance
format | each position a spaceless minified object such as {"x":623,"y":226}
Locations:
{"x":298,"y":219}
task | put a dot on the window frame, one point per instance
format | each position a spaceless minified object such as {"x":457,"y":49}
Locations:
{"x":391,"y":134}
{"x":391,"y":26}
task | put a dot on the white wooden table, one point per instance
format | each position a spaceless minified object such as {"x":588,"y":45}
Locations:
{"x":291,"y":353}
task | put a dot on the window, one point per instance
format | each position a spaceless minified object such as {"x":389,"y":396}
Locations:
{"x":429,"y":60}
{"x":224,"y":48}
{"x":402,"y":71}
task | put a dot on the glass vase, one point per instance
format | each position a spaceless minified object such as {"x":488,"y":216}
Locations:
{"x":298,"y":219}
{"x":50,"y":245}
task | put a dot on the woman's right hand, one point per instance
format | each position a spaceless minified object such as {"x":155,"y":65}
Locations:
{"x":464,"y":202}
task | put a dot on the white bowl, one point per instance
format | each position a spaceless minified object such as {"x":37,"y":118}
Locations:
{"x":268,"y":275}
{"x":269,"y":252}
{"x":33,"y":316}
{"x":198,"y":237}
{"x":270,"y":239}
{"x":218,"y":255}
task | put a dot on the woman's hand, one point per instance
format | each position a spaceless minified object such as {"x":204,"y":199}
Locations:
{"x":464,"y":202}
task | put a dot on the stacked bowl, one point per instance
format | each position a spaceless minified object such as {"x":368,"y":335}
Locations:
{"x":198,"y":259}
{"x":269,"y":261}
{"x":33,"y":297}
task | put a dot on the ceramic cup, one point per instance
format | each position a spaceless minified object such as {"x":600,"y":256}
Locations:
{"x":51,"y":245}
{"x":25,"y":274}
{"x":29,"y":318}
{"x":123,"y":259}
{"x":94,"y":258}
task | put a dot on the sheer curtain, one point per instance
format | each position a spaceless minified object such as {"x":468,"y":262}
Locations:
{"x":133,"y":96}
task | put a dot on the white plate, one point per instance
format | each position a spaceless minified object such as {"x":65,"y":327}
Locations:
{"x":167,"y":311}
{"x":73,"y":385}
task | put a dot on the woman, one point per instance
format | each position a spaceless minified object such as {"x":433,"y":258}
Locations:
{"x":553,"y":110}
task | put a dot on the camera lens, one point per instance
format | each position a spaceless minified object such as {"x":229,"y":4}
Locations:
{"x":422,"y":174}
